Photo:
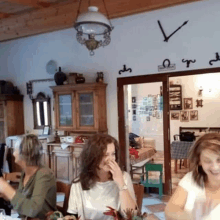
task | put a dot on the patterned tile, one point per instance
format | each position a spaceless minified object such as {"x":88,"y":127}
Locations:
{"x":150,"y":201}
{"x":157,"y":207}
{"x":160,"y":215}
{"x":165,"y":198}
{"x":152,"y":217}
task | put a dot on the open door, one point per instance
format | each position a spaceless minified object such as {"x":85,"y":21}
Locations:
{"x":143,"y":110}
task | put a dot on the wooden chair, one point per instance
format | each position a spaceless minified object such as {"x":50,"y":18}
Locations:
{"x":139,"y":193}
{"x":158,"y":183}
{"x":64,"y":188}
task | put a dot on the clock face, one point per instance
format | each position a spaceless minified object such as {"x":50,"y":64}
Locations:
{"x":51,"y":67}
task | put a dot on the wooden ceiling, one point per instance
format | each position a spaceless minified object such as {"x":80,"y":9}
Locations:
{"x":21,"y":18}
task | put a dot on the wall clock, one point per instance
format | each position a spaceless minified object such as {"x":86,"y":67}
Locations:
{"x":166,"y":38}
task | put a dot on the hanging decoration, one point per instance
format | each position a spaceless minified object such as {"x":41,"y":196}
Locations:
{"x":217,"y":59}
{"x":169,"y":66}
{"x":166,"y":38}
{"x":188,"y":62}
{"x":93,"y":24}
{"x":124,"y":70}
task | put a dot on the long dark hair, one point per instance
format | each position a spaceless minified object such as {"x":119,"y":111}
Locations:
{"x":209,"y":141}
{"x":91,"y":158}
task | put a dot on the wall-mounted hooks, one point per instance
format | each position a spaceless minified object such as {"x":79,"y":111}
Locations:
{"x":166,"y":66}
{"x":125,"y":70}
{"x":217,"y":59}
{"x":188,"y":62}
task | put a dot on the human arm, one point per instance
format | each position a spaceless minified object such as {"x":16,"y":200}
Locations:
{"x":175,"y":207}
{"x":44,"y":188}
{"x":127,"y":196}
{"x":6,"y":191}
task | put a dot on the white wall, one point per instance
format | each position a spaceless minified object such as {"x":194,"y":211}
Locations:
{"x":140,"y":126}
{"x":136,"y":41}
{"x":208,"y":115}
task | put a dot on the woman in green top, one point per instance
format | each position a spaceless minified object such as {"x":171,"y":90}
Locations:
{"x":36,"y":194}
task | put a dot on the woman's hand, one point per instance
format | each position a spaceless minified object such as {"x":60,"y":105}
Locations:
{"x":116,"y":173}
{"x":203,"y":208}
{"x":3,"y":185}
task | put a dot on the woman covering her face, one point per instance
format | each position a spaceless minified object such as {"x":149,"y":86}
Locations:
{"x":36,"y":194}
{"x":101,"y":182}
{"x":198,"y":194}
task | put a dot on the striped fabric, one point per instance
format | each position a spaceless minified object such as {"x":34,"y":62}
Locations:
{"x":180,"y":149}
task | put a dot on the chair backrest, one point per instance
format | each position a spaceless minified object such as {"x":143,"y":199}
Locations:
{"x":153,"y":167}
{"x":139,"y":193}
{"x":64,"y":188}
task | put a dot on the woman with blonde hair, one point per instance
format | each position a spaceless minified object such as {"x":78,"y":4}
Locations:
{"x":198,"y":195}
{"x":36,"y":194}
{"x":101,"y":182}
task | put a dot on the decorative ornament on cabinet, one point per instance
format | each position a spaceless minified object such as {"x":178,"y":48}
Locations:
{"x":166,"y":38}
{"x":80,"y":78}
{"x":100,"y":77}
{"x":60,"y":77}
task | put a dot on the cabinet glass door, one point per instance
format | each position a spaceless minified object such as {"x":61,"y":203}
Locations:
{"x":86,"y":109}
{"x":65,"y":110}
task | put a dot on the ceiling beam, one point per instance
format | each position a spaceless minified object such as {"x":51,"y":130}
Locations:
{"x":31,"y":3}
{"x":4,"y":15}
{"x":61,"y":16}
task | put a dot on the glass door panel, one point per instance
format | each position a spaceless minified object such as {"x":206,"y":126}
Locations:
{"x":65,"y":110}
{"x":144,"y":126}
{"x":86,"y":109}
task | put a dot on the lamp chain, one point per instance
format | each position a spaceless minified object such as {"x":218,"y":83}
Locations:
{"x":78,"y":10}
{"x":107,"y":14}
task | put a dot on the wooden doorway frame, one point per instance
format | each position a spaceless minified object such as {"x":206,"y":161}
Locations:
{"x":164,"y":78}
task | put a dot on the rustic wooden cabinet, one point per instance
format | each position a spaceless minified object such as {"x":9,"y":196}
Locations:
{"x":11,"y":116}
{"x":80,"y":107}
{"x":65,"y":162}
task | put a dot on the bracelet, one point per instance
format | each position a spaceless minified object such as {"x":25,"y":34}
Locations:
{"x":124,"y":187}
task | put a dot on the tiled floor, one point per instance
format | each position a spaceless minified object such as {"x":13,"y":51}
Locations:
{"x":151,"y":202}
{"x":176,"y":177}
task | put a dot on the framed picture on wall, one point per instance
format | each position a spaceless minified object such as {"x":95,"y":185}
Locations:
{"x":148,"y":118}
{"x":134,"y":106}
{"x":184,"y":116}
{"x":134,"y":117}
{"x":46,"y":130}
{"x":175,"y":116}
{"x":194,"y":115}
{"x":133,"y":99}
{"x":188,"y":103}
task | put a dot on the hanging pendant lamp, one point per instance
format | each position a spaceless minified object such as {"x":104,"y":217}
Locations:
{"x":93,"y":24}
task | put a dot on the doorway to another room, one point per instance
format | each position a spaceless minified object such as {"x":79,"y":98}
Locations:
{"x":193,"y":108}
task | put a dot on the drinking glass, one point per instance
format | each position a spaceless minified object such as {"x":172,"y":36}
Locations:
{"x":2,"y":214}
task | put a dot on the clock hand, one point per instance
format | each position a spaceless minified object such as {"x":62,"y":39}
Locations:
{"x":165,"y":37}
{"x":176,"y":31}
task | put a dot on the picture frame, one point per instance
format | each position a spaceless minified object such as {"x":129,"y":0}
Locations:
{"x":174,"y":116}
{"x":134,"y":117}
{"x":188,"y":103}
{"x":184,"y":116}
{"x":194,"y":115}
{"x":148,"y":118}
{"x":133,"y":99}
{"x":46,"y":130}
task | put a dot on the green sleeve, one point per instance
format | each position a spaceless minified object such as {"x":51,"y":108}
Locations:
{"x":36,"y":205}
